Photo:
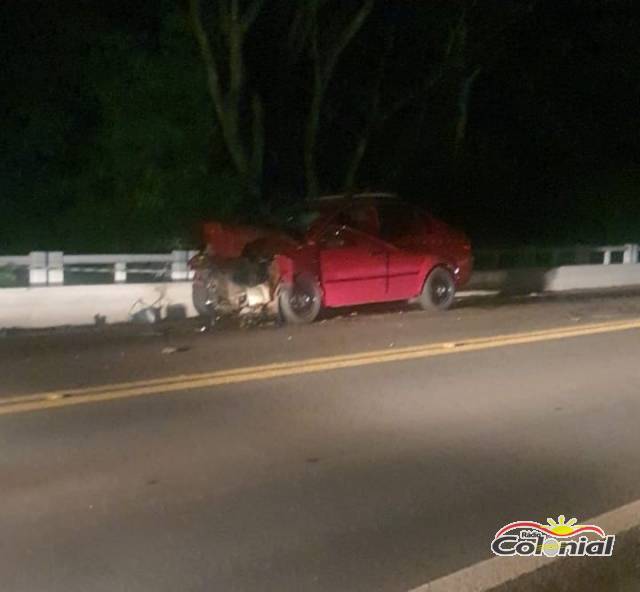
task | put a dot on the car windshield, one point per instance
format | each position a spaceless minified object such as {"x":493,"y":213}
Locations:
{"x":298,"y":222}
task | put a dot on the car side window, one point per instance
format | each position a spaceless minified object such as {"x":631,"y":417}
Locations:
{"x":399,"y":222}
{"x":363,"y":218}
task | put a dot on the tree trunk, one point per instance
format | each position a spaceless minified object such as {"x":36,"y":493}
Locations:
{"x":233,"y":27}
{"x":463,"y":111}
{"x":323,"y":72}
{"x":311,"y":136}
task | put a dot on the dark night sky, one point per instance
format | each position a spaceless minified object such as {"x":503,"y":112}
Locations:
{"x":551,"y":153}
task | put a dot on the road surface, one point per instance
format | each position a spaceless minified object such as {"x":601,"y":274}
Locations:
{"x":370,"y":452}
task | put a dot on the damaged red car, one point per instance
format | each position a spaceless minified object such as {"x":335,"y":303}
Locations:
{"x":339,"y":251}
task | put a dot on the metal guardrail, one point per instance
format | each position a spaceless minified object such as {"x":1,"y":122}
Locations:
{"x":54,"y":268}
{"x":15,"y":260}
{"x":523,"y":257}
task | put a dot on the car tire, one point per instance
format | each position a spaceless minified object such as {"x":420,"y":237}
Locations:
{"x":439,"y":290}
{"x":300,"y":302}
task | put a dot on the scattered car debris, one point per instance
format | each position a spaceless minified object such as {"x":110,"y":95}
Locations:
{"x":145,"y":314}
{"x":174,"y":350}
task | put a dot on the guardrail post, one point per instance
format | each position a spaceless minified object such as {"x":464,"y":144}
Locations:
{"x":38,"y":268}
{"x":606,"y":257}
{"x":191,"y":272}
{"x":55,"y":268}
{"x":179,"y":271}
{"x":120,"y":272}
{"x":630,"y":253}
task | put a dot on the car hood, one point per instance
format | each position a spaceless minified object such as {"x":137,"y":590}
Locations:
{"x":230,"y":241}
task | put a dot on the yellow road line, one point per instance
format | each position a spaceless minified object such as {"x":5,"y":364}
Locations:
{"x":65,"y":398}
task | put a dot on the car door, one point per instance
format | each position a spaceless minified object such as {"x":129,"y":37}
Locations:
{"x":353,"y":267}
{"x":402,"y":228}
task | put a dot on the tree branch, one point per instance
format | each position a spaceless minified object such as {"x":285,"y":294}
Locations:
{"x":463,"y":109}
{"x":373,"y":119}
{"x":251,"y":14}
{"x":226,"y":107}
{"x":213,"y":77}
{"x":257,"y":156}
{"x":347,"y":35}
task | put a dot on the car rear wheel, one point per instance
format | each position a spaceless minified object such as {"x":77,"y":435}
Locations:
{"x":439,"y":290}
{"x":300,"y":302}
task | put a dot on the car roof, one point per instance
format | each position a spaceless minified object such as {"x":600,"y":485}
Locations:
{"x":342,"y":199}
{"x":350,"y":196}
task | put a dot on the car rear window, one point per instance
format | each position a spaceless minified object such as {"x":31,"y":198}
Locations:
{"x":399,"y":221}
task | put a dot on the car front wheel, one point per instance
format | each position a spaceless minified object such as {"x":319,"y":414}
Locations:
{"x":204,"y":296}
{"x":439,"y":290}
{"x":300,"y":302}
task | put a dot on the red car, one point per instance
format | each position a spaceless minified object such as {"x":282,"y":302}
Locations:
{"x":340,"y":251}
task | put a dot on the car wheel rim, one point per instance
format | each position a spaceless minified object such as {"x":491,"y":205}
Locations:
{"x":301,"y":301}
{"x":440,"y":292}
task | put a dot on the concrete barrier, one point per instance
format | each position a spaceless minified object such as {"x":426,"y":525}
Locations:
{"x":557,"y":279}
{"x":38,"y":307}
{"x":79,"y":305}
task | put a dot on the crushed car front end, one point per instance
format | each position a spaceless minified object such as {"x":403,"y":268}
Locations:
{"x":240,"y":271}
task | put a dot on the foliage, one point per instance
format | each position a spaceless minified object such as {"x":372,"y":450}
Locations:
{"x":144,"y":171}
{"x":127,"y":123}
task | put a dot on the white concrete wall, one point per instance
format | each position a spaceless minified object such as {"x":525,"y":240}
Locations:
{"x":557,"y":279}
{"x":584,"y":277}
{"x":77,"y":305}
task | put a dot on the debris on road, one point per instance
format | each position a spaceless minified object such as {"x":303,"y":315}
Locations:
{"x":145,"y":314}
{"x":174,"y":350}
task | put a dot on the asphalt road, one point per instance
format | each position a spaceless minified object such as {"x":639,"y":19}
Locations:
{"x":380,"y":474}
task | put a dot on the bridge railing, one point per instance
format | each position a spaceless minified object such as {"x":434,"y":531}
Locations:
{"x":55,"y":268}
{"x":526,"y":257}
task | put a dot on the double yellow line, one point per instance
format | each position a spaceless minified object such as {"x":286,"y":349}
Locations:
{"x":65,"y":398}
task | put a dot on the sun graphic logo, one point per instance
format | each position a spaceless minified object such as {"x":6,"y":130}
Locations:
{"x":557,"y":538}
{"x":562,"y":527}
